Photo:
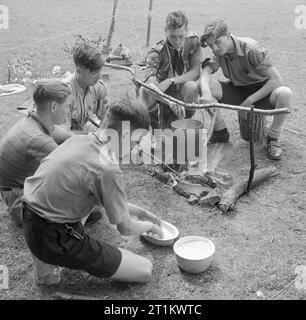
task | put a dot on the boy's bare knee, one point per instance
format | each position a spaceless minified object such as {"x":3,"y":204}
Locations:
{"x":285,"y":93}
{"x":190,"y":88}
{"x":216,"y":89}
{"x":147,"y":271}
{"x":284,"y":97}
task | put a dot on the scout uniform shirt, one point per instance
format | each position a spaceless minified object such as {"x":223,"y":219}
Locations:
{"x":162,"y":59}
{"x":245,"y":66}
{"x":92,"y":102}
{"x":80,"y":174}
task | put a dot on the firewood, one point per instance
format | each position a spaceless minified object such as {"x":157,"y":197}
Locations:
{"x":212,"y":198}
{"x":239,"y":188}
{"x":164,"y":177}
{"x":186,"y":189}
{"x":193,"y":200}
{"x":201,"y":179}
{"x":212,"y":179}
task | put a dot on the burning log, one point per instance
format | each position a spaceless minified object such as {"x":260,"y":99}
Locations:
{"x":212,"y":179}
{"x":201,"y":179}
{"x":212,"y":198}
{"x":167,"y":178}
{"x":239,"y":188}
{"x":186,"y":189}
{"x":193,"y":200}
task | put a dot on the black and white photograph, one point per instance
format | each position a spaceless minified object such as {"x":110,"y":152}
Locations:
{"x":152,"y":153}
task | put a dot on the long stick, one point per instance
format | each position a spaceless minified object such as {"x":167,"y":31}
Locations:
{"x":156,"y":159}
{"x":112,"y":27}
{"x":211,"y":105}
{"x":295,"y":132}
{"x":253,"y":165}
{"x":195,"y":106}
{"x":149,"y":22}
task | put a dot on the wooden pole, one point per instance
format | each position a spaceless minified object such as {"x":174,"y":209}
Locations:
{"x":112,"y":27}
{"x":239,"y":188}
{"x":149,"y":22}
{"x":195,"y":106}
{"x":253,"y":165}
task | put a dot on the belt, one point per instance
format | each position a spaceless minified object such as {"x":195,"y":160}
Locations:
{"x":28,"y":213}
{"x":5,"y":189}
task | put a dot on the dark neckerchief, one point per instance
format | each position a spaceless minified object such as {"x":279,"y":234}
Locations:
{"x":176,"y":58}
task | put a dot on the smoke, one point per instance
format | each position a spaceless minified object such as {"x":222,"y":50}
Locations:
{"x":216,"y":153}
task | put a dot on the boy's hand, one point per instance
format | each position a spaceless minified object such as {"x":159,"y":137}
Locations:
{"x":156,"y":231}
{"x":246,"y":103}
{"x":206,"y":98}
{"x":178,"y":110}
{"x":149,"y":216}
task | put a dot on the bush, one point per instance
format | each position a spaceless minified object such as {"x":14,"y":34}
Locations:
{"x":79,"y":39}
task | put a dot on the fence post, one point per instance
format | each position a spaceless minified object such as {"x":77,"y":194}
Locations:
{"x":112,"y":27}
{"x":149,"y":22}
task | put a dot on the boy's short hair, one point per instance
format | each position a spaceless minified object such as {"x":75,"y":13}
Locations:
{"x":88,"y":56}
{"x":48,"y":90}
{"x":217,"y":28}
{"x":128,"y":110}
{"x":176,"y":20}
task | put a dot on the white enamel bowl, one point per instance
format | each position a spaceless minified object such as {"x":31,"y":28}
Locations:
{"x":170,"y":234}
{"x":194,"y":254}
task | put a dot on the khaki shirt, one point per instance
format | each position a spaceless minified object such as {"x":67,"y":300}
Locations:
{"x":80,"y":174}
{"x":92,"y":102}
{"x":158,"y":60}
{"x":246,"y":65}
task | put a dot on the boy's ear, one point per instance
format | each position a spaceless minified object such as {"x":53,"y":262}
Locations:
{"x":53,"y":106}
{"x":78,"y":70}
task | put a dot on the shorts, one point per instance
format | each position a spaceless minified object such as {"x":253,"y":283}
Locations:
{"x":235,"y":95}
{"x":54,"y":243}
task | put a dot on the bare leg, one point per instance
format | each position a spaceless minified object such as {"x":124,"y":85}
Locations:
{"x":190,"y":91}
{"x":133,"y":268}
{"x":281,"y":97}
{"x":216,"y":90}
{"x":190,"y":94}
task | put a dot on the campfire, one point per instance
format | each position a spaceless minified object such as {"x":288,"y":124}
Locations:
{"x":210,"y":187}
{"x":213,"y":187}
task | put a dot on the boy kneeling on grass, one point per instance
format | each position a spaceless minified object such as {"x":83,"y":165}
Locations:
{"x":30,"y":140}
{"x":80,"y":174}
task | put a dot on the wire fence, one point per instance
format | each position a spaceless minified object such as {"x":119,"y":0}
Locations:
{"x":158,"y":5}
